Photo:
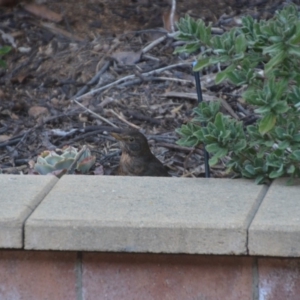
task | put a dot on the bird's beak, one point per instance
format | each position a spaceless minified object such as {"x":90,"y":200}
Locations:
{"x":117,"y":136}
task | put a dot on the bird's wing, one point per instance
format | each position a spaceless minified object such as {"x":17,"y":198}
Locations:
{"x":156,"y":168}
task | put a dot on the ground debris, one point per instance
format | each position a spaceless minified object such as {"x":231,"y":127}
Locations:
{"x":77,"y":77}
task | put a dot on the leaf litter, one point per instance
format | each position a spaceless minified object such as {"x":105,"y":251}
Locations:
{"x":74,"y":77}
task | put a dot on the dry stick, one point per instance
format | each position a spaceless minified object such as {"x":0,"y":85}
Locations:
{"x":153,"y":78}
{"x":124,"y":120}
{"x":173,"y":9}
{"x":85,"y":135}
{"x":96,"y":115}
{"x":153,"y":44}
{"x":173,"y":79}
{"x":94,"y":80}
{"x":92,"y":92}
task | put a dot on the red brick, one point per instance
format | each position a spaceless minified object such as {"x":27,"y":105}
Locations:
{"x":146,"y":276}
{"x":279,"y":278}
{"x":31,"y":275}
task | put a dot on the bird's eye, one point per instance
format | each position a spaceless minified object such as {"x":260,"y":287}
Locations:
{"x":131,"y":139}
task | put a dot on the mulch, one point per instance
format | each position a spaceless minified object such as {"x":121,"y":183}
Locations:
{"x":103,"y":66}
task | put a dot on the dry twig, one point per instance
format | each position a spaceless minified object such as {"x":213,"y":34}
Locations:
{"x":96,"y":115}
{"x":156,"y":71}
{"x":123,"y":119}
{"x":173,"y":9}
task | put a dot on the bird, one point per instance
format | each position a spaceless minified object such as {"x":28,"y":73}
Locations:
{"x":137,"y":158}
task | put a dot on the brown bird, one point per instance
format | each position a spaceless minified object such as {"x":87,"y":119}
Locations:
{"x":137,"y":158}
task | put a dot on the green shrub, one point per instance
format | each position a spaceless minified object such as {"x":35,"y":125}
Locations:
{"x":3,"y":50}
{"x":263,"y":56}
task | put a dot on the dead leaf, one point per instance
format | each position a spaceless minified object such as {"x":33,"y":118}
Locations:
{"x":127,"y":57}
{"x":43,"y":12}
{"x":38,"y":111}
{"x":175,"y":110}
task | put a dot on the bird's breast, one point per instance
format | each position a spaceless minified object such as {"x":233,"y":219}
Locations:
{"x":133,"y":166}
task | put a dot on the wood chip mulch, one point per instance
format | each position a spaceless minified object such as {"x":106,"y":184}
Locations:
{"x":73,"y":77}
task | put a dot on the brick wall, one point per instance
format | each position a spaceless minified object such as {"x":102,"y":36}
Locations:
{"x":38,"y":275}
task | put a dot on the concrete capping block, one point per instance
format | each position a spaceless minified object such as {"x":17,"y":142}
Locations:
{"x":275,"y":230}
{"x":145,"y":214}
{"x":19,"y":195}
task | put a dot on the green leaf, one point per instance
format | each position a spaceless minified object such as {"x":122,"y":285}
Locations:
{"x":259,"y":179}
{"x":250,"y":169}
{"x":2,"y":64}
{"x":263,"y":110}
{"x":199,"y":135}
{"x":64,"y":164}
{"x":188,"y":141}
{"x":4,"y":50}
{"x":221,"y":76}
{"x":294,"y":50}
{"x":281,"y":107}
{"x":296,"y":137}
{"x":201,"y":63}
{"x":192,"y":47}
{"x":267,"y":123}
{"x":221,"y":153}
{"x":240,"y":145}
{"x":235,"y":78}
{"x":276,"y":60}
{"x":213,"y":161}
{"x":291,"y":169}
{"x":296,"y":155}
{"x":85,"y":165}
{"x":212,"y":148}
{"x":284,"y":145}
{"x":209,"y":138}
{"x":201,"y":31}
{"x":277,"y":173}
{"x":240,"y":44}
{"x":43,"y":169}
{"x":275,"y":48}
{"x":219,"y":122}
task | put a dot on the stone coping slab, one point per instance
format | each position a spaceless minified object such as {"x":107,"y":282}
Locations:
{"x":19,"y":195}
{"x":275,"y":230}
{"x":145,"y":214}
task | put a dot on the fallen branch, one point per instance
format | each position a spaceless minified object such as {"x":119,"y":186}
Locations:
{"x":172,"y":15}
{"x":96,"y":115}
{"x":153,"y":44}
{"x":123,"y":119}
{"x":157,"y":71}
